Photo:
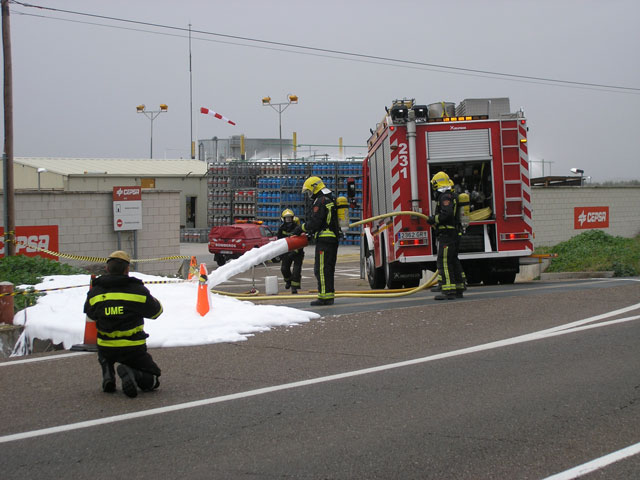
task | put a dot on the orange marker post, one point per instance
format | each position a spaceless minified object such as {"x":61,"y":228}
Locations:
{"x":90,"y":333}
{"x":202,"y":305}
{"x":193,"y":269}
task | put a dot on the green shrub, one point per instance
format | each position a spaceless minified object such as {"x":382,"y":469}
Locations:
{"x":22,"y":270}
{"x":595,"y":251}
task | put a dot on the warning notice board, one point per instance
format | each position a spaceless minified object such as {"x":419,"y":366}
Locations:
{"x":127,"y":208}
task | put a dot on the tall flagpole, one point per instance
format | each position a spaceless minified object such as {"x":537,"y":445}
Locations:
{"x":193,"y":150}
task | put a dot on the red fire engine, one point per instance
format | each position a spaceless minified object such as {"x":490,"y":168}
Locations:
{"x":482,"y":146}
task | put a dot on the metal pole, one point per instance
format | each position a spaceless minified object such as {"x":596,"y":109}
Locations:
{"x":191,"y":96}
{"x":280,"y":126}
{"x":9,"y":194}
{"x":151,"y":154}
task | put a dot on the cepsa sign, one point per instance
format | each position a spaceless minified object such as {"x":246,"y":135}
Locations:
{"x":590,"y":217}
{"x":41,"y":236}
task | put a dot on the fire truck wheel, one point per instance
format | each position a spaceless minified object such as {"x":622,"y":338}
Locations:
{"x":374,"y":275}
{"x":389,"y":272}
{"x":507,"y":277}
{"x":413,"y":283}
{"x":220,"y":259}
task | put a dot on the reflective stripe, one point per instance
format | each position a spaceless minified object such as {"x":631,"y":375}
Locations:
{"x":159,"y":312}
{"x":447,"y":284}
{"x":329,"y":207}
{"x":122,"y":333}
{"x":322,"y":285}
{"x":120,"y":343}
{"x":131,"y":297}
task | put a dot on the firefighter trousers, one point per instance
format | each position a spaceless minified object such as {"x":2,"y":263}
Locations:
{"x":324,"y":268}
{"x":289,"y":274}
{"x":135,"y":357}
{"x":450,"y":273}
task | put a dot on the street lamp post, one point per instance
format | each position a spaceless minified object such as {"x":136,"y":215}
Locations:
{"x":151,"y":115}
{"x":280,"y":107}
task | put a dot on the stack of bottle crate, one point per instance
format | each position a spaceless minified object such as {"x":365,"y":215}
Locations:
{"x":261,"y":190}
{"x":219,"y":200}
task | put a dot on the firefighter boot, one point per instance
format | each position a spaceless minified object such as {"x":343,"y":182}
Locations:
{"x":287,"y":284}
{"x":108,"y":376}
{"x":146,"y":381}
{"x":321,"y":301}
{"x":128,"y":377}
{"x":459,"y":293}
{"x":436,"y":288}
{"x":294,"y":291}
{"x":445,"y":296}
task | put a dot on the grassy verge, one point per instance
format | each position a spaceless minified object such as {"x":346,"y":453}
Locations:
{"x":596,"y":251}
{"x":21,"y":270}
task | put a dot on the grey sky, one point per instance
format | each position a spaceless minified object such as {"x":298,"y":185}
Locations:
{"x":76,"y":85}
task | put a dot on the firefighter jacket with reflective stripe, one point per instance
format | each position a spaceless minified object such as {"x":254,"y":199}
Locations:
{"x":323,"y":221}
{"x":445,"y":221}
{"x":119,"y":304}
{"x":288,"y":229}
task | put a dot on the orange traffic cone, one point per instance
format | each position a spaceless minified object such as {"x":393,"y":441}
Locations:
{"x":203,"y":305}
{"x":193,"y":269}
{"x":90,"y":333}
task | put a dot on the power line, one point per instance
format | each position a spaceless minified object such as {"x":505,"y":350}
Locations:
{"x":401,"y":62}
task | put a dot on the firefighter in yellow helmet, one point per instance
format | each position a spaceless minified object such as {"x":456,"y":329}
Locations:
{"x":446,"y":224}
{"x":292,"y":277}
{"x":322,"y":225}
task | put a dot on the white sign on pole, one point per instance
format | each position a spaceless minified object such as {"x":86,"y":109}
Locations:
{"x":127,"y":208}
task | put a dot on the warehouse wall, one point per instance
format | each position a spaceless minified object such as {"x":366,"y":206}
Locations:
{"x":85,"y":225}
{"x":554,"y":210}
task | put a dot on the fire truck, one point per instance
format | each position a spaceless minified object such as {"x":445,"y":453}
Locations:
{"x":482,"y":146}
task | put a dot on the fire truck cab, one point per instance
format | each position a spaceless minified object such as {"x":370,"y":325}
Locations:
{"x":482,"y":146}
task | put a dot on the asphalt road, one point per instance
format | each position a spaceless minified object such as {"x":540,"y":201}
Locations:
{"x":382,"y":389}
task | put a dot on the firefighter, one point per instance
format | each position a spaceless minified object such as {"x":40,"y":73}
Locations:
{"x":446,"y":225}
{"x":119,"y":303}
{"x":323,"y":226}
{"x":292,"y":277}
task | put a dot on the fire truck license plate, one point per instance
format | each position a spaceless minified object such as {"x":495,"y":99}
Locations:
{"x":226,"y":252}
{"x":411,"y":235}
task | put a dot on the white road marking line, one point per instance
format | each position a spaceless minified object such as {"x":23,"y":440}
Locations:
{"x":596,"y":464}
{"x":42,"y":359}
{"x":529,"y":337}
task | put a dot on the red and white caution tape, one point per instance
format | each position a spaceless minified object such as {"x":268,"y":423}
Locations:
{"x":206,"y":111}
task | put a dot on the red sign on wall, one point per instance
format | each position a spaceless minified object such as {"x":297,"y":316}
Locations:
{"x":41,"y":236}
{"x":590,"y":217}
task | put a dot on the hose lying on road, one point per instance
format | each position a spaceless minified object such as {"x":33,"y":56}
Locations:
{"x":339,"y":294}
{"x":350,"y":294}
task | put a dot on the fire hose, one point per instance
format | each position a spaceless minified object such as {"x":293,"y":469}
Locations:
{"x":346,"y":294}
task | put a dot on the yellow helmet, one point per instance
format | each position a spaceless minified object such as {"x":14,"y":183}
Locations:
{"x":312,"y":185}
{"x":441,"y":182}
{"x":287,"y":213}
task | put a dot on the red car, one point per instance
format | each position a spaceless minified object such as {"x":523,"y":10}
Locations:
{"x":231,"y":241}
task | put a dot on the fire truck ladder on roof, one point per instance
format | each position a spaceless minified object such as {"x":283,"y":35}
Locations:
{"x":512,"y":183}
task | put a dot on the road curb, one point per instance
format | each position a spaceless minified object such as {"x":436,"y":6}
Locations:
{"x":570,"y":275}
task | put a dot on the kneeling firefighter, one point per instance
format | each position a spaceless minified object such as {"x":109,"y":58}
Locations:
{"x":446,"y":224}
{"x":323,"y":225}
{"x":291,"y":277}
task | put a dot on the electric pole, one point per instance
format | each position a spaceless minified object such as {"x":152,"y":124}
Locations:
{"x":9,"y":194}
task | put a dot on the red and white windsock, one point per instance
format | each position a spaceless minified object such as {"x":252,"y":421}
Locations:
{"x":206,"y":111}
